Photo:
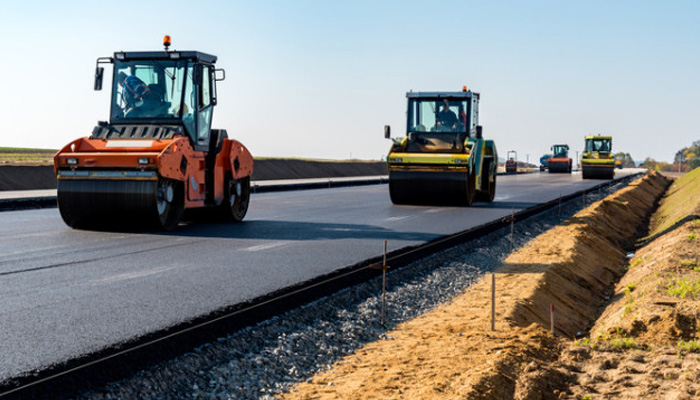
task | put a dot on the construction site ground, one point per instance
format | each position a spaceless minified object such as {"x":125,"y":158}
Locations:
{"x":623,"y":277}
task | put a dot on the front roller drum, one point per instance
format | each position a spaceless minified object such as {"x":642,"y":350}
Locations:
{"x":123,"y":204}
{"x":560,"y":168}
{"x":441,"y":188}
{"x":597,"y":172}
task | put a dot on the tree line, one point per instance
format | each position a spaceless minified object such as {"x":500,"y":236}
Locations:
{"x":686,"y":159}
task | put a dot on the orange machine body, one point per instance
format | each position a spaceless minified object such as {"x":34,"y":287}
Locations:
{"x":169,"y":158}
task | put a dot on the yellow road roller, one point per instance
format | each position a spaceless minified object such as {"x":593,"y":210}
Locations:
{"x":597,"y":161}
{"x":443,"y":158}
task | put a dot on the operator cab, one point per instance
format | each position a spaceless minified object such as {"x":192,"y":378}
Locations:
{"x":560,"y":151}
{"x":598,"y":144}
{"x":443,"y":112}
{"x":164,"y":88}
{"x":441,"y":121}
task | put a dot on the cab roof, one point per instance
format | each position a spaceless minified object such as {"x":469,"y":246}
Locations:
{"x":440,"y":95}
{"x":165,"y":55}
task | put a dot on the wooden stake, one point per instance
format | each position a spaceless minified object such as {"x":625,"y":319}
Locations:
{"x":493,"y":302}
{"x":384,"y":287}
{"x":512,"y":227}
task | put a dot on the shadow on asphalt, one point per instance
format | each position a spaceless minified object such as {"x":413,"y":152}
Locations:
{"x":518,"y":206}
{"x":293,"y":230}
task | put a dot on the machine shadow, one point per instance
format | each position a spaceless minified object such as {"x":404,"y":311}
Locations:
{"x":517,"y":205}
{"x":293,"y":230}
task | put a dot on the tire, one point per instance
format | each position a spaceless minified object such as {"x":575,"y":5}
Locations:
{"x":471,"y":190}
{"x":170,"y":203}
{"x":488,"y":188}
{"x":236,"y":199}
{"x":490,"y":193}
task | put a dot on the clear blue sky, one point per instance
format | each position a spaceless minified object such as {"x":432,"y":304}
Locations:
{"x":320,"y":79}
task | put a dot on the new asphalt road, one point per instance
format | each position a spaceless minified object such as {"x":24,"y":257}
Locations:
{"x":66,"y":293}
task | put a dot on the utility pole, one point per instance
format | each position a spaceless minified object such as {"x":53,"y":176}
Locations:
{"x":527,"y":158}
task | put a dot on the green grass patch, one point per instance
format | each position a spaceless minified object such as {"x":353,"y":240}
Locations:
{"x":692,"y":236}
{"x":684,"y":287}
{"x":585,"y":342}
{"x":636,"y":262}
{"x":622,"y":344}
{"x":627,"y":310}
{"x":692,"y":346}
{"x":680,"y":201}
{"x":688,"y":263}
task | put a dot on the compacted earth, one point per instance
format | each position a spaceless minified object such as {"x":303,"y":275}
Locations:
{"x":602,"y":306}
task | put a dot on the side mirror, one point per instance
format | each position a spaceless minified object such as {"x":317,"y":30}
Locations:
{"x":99,"y":74}
{"x":479,"y":134}
{"x":387,"y":132}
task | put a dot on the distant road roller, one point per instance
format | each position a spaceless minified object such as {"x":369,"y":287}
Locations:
{"x":597,"y":161}
{"x":157,"y":155}
{"x":443,"y":159}
{"x":512,"y":162}
{"x":560,"y":160}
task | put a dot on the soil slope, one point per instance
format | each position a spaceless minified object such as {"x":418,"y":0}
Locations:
{"x":646,"y":342}
{"x":451,"y":352}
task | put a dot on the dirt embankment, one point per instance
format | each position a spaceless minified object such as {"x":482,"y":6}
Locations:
{"x":18,"y":177}
{"x":646,"y":342}
{"x":452,"y":353}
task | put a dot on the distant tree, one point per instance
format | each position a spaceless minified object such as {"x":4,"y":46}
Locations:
{"x":649,"y":163}
{"x":662,"y":166}
{"x":691,"y":156}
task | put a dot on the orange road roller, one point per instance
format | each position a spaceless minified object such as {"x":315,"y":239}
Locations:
{"x":157,"y":155}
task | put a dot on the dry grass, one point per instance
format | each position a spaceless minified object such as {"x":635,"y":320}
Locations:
{"x":22,"y":156}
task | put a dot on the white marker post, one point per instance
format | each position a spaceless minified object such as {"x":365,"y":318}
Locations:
{"x":551,"y":316}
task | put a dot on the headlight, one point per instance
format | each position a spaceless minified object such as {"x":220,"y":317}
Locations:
{"x":72,"y":161}
{"x":144,"y":161}
{"x":458,"y":161}
{"x":397,"y":160}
